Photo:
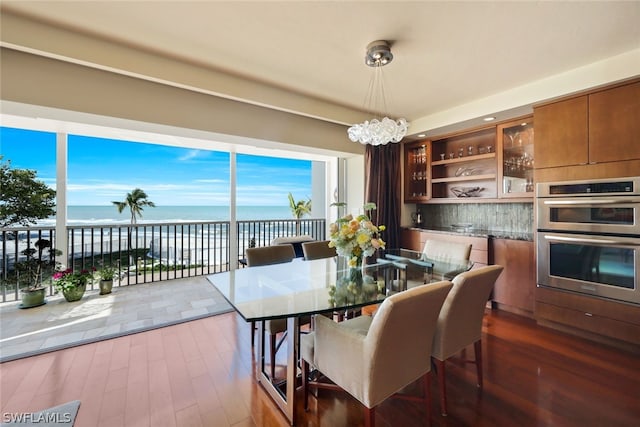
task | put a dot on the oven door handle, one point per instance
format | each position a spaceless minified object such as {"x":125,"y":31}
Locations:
{"x":586,"y":240}
{"x":591,"y":202}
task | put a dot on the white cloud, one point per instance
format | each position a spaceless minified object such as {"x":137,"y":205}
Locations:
{"x":191,"y":154}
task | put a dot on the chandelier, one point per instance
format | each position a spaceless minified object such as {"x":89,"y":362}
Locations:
{"x":385,"y":130}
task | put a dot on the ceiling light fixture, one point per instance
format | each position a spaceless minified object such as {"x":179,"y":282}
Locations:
{"x":385,"y":130}
{"x":488,"y":119}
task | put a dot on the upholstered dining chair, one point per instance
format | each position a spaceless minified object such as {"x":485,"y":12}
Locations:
{"x":460,"y":321}
{"x":446,"y":250}
{"x":441,"y":250}
{"x":318,"y":249}
{"x":267,"y":255}
{"x":372,"y":358}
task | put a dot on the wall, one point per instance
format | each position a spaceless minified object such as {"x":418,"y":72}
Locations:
{"x":36,"y":80}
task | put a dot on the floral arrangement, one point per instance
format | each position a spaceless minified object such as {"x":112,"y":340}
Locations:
{"x":356,"y":237}
{"x":67,"y":279}
{"x":347,"y":291}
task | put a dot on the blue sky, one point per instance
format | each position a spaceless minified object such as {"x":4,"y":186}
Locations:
{"x":102,"y":170}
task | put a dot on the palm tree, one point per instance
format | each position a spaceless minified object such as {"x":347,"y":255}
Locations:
{"x":135,"y":201}
{"x":299,"y":209}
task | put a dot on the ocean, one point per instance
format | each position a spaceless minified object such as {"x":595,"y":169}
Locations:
{"x":108,"y":215}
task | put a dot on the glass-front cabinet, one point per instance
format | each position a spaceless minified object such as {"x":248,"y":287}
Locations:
{"x":477,"y":165}
{"x":416,"y":171}
{"x":515,"y":157}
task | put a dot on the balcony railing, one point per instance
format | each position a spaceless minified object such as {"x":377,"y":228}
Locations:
{"x":143,"y":252}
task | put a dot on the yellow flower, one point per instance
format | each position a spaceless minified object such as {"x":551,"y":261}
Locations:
{"x":362,"y":238}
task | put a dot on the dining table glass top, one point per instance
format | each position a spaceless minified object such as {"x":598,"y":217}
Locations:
{"x":416,"y":261}
{"x":300,"y":288}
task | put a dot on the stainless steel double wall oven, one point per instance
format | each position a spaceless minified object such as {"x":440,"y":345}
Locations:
{"x":588,"y":238}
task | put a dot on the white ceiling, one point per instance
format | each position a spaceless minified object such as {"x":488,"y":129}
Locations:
{"x":448,"y":55}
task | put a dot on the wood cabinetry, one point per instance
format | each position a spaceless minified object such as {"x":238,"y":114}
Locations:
{"x":411,"y":239}
{"x":463,"y":166}
{"x":416,"y":171}
{"x":474,"y":166}
{"x":561,"y":133}
{"x":515,"y":158}
{"x":514,"y":290}
{"x":596,"y":318}
{"x":598,"y":127}
{"x":614,"y":124}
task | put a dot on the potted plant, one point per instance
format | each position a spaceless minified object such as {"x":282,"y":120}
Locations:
{"x":106,"y":275}
{"x":71,"y":283}
{"x":30,"y":270}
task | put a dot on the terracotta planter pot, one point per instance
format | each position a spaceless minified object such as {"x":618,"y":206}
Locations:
{"x":106,"y":286}
{"x":33,"y":297}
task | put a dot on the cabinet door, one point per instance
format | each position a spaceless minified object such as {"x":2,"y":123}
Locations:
{"x":515,"y":287}
{"x":416,"y":167}
{"x":614,"y":124}
{"x":515,"y":158}
{"x":410,"y":239}
{"x":561,"y":132}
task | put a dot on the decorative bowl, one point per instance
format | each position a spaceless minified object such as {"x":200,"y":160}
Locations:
{"x":466,"y":191}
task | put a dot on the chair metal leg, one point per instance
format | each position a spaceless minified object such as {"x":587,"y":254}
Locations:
{"x":443,"y":386}
{"x":477,"y":346}
{"x":369,"y":416}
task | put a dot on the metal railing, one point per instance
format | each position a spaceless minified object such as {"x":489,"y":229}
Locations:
{"x":143,"y":253}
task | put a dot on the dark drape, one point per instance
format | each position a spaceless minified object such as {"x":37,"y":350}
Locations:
{"x":382,"y":187}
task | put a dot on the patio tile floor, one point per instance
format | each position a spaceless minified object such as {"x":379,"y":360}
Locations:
{"x":127,"y":309}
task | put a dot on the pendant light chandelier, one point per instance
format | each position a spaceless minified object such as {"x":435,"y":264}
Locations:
{"x":378,"y":131}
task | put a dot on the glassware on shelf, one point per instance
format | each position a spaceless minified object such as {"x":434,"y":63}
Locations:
{"x":514,"y":138}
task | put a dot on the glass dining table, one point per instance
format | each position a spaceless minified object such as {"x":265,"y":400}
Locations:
{"x":302,"y":288}
{"x":414,"y":268}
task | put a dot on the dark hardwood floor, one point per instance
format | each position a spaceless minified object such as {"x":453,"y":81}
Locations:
{"x":200,"y":374}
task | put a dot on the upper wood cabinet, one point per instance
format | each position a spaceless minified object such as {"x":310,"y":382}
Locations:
{"x":562,"y":133}
{"x":599,"y":127}
{"x":614,"y":124}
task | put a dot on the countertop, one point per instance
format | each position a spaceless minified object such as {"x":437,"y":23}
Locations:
{"x":478,"y":232}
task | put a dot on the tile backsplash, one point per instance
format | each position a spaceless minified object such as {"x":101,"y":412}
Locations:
{"x":512,"y":217}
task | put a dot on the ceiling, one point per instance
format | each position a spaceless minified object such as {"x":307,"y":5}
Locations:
{"x":453,"y":57}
